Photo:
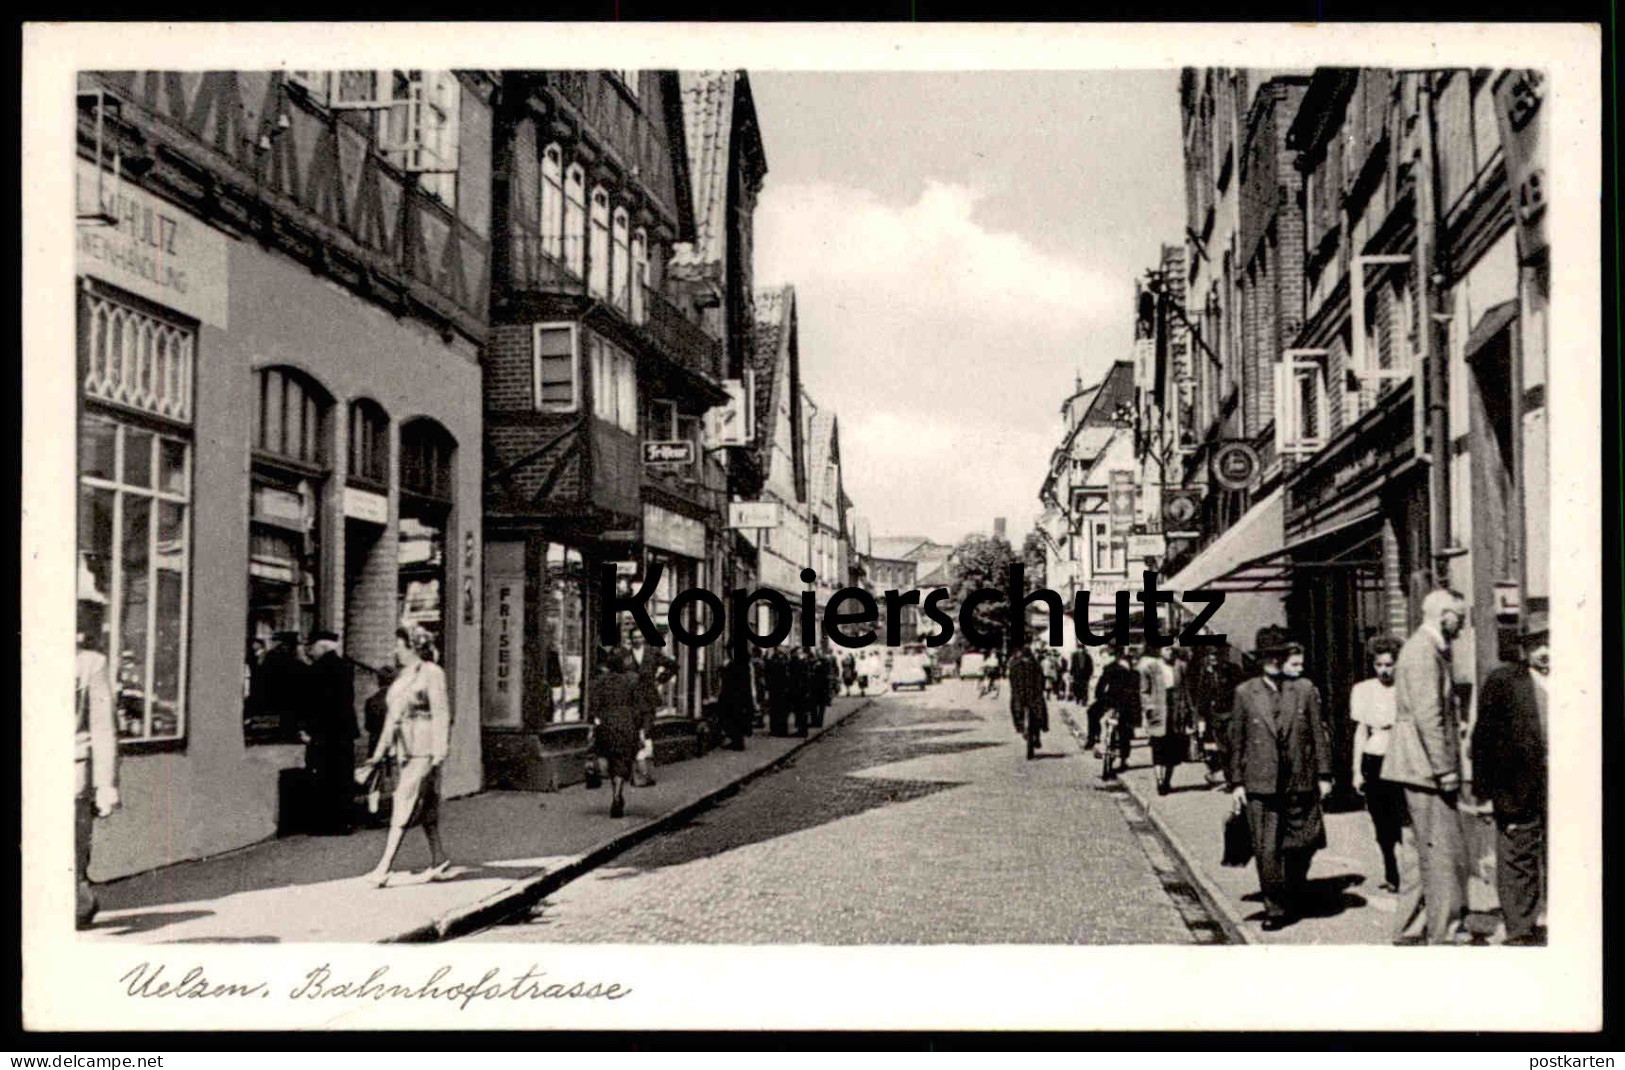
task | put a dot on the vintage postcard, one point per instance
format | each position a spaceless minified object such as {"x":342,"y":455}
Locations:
{"x":818,"y":527}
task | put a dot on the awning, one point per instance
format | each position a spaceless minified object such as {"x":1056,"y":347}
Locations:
{"x":1246,"y":557}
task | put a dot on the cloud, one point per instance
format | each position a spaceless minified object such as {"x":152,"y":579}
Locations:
{"x":929,"y":254}
{"x":944,"y":346}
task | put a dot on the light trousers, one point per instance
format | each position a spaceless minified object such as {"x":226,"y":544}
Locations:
{"x":1433,"y":869}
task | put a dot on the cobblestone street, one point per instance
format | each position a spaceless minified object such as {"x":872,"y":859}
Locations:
{"x":918,"y":820}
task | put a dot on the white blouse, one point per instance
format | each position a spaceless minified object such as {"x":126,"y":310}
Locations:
{"x":1371,"y":703}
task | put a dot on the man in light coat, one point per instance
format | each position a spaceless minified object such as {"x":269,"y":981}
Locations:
{"x":1424,"y":755}
{"x":95,"y":750}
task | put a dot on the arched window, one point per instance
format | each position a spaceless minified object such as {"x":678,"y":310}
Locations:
{"x":598,"y":246}
{"x":290,"y":417}
{"x":427,"y":471}
{"x":369,"y":444}
{"x":621,"y":264}
{"x":286,"y":521}
{"x":575,"y":219}
{"x":552,"y":221}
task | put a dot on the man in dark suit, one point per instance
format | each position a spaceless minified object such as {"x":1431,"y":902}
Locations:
{"x":1027,"y":706}
{"x":1079,"y":673}
{"x":1509,"y":771}
{"x":330,"y":732}
{"x":776,"y":675}
{"x":1280,"y":769}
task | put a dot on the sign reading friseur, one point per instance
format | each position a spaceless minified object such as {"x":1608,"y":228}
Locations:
{"x":154,"y":249}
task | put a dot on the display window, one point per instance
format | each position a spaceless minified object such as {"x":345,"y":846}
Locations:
{"x":427,"y":451}
{"x":563,"y":630}
{"x":134,"y":504}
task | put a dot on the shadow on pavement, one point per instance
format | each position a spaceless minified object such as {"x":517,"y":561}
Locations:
{"x":146,"y":922}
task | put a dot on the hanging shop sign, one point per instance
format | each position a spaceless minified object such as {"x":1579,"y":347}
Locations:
{"x":1181,"y":506}
{"x":366,"y":505}
{"x":1519,"y":95}
{"x":1121,"y":501}
{"x":1235,"y":465}
{"x":753,"y":514}
{"x":672,"y":452}
{"x":153,"y":249}
{"x":504,"y":640}
{"x":1141,"y":547}
{"x":730,"y":424}
{"x":666,"y":530}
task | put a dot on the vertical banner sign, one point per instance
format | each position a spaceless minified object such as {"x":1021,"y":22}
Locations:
{"x":1121,"y":503}
{"x":504,"y":642}
{"x":1518,"y":99}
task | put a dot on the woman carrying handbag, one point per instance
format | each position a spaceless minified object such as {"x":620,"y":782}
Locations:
{"x":417,"y":732}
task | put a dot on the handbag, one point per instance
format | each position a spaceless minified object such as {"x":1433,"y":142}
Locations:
{"x":371,"y":777}
{"x":1238,"y":840}
{"x":643,"y":764}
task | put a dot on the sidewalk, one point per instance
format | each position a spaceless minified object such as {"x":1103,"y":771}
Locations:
{"x":1346,"y":906}
{"x":506,"y":847}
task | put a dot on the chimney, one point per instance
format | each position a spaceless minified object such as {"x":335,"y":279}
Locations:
{"x":998,"y":527}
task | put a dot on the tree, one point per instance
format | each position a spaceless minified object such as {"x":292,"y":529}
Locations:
{"x":982,"y":561}
{"x":1032,"y":555}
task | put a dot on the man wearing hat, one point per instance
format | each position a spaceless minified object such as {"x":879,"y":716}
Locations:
{"x":1509,"y":772}
{"x":330,"y":732}
{"x":1280,"y":768}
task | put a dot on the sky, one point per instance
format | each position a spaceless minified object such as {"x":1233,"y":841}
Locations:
{"x":963,"y":247}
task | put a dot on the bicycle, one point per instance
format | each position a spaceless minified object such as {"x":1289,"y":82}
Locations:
{"x":1108,"y":747}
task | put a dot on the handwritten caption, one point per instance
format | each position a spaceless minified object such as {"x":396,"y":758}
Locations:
{"x":149,"y":982}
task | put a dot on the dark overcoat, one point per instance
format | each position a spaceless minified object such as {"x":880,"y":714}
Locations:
{"x":620,"y":706}
{"x":1509,"y":746}
{"x":1027,"y":705}
{"x":1119,"y":689}
{"x":1279,"y":741}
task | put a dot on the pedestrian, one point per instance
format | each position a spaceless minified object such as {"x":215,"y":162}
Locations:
{"x":1424,"y":756}
{"x":417,"y":730}
{"x":1371,"y":708}
{"x":655,"y":668}
{"x":831,"y":678}
{"x":1047,"y":665}
{"x":95,"y":748}
{"x":758,"y":684}
{"x":1028,"y":710}
{"x":1118,"y":691}
{"x":1509,"y":771}
{"x":1080,"y":672}
{"x":776,"y":671}
{"x":992,"y":671}
{"x":738,"y":704}
{"x":282,"y":686}
{"x":802,"y":682}
{"x":1280,"y":769}
{"x":330,"y":732}
{"x":622,"y":716}
{"x":1162,"y":709}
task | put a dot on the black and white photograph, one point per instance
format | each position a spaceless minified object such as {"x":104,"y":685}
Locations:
{"x":586,"y":548}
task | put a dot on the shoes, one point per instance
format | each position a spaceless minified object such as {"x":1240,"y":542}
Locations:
{"x":1277,"y":922}
{"x":617,"y":808}
{"x":438,"y":873}
{"x":1162,"y":789}
{"x":1410,"y":941}
{"x":378,"y":879}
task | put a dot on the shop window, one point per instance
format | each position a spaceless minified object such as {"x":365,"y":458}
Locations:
{"x":598,"y":247}
{"x":640,"y":274}
{"x":369,"y":444}
{"x":614,"y":384}
{"x":1110,"y":553}
{"x":621,"y":264}
{"x":290,"y":472}
{"x":575,"y":220}
{"x":552,"y":207}
{"x":563,"y":613}
{"x":557,"y":378}
{"x":427,"y":469}
{"x":134,"y":506}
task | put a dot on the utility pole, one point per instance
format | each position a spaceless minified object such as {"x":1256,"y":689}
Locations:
{"x":1435,"y":330}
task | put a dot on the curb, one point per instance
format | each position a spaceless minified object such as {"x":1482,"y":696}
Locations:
{"x":524,"y":892}
{"x":1213,"y":897}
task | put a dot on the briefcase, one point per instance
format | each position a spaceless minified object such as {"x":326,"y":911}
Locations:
{"x":1238,"y":840}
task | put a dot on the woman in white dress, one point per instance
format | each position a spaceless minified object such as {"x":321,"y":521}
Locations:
{"x":417,"y":731}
